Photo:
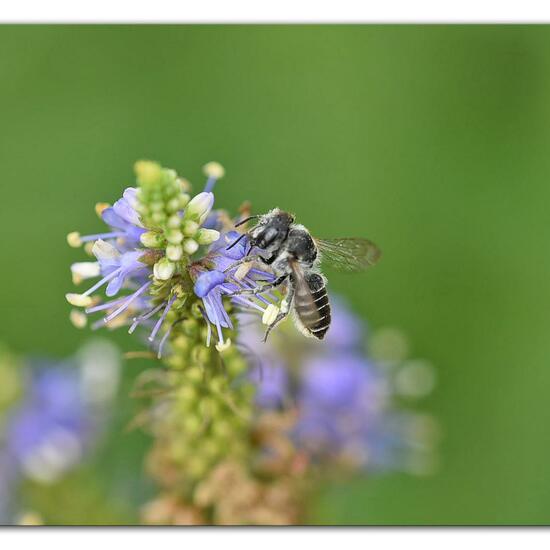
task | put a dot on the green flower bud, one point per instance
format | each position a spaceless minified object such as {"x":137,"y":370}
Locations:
{"x":222,"y":429}
{"x":187,"y":394}
{"x":207,"y":236}
{"x":152,"y":239}
{"x":173,"y":221}
{"x":190,"y":228}
{"x":192,"y":424}
{"x":210,"y":448}
{"x":148,"y":173}
{"x":218,"y":384}
{"x":174,"y":236}
{"x":158,"y":217}
{"x":190,"y":246}
{"x":164,"y":269}
{"x":173,"y":205}
{"x":174,"y":252}
{"x":190,"y":327}
{"x":184,"y":199}
{"x":199,"y":207}
{"x":194,"y":374}
{"x":209,"y":407}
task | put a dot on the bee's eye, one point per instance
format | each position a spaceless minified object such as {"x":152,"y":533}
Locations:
{"x":266,"y":237}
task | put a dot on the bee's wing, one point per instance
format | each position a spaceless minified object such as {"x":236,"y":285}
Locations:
{"x":348,"y":254}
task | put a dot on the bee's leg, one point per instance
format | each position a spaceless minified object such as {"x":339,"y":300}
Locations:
{"x":244,"y":260}
{"x":285,"y":308}
{"x":261,"y":288}
{"x":252,"y":258}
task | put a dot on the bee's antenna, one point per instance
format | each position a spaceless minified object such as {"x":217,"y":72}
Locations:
{"x":247,"y":220}
{"x":239,"y":238}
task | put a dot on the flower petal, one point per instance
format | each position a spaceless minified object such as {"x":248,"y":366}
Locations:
{"x":208,"y":281}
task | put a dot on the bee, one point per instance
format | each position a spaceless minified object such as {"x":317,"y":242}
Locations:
{"x":295,"y":258}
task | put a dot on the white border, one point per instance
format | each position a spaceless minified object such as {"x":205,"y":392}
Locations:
{"x":275,"y":539}
{"x":281,"y":11}
{"x":273,"y":11}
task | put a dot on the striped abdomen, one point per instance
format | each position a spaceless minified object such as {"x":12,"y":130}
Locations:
{"x":312,"y":307}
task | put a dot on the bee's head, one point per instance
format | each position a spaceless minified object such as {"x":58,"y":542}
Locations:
{"x":271,"y":230}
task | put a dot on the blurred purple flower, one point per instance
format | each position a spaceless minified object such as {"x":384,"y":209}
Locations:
{"x":58,"y":419}
{"x":343,"y":399}
{"x":49,"y":432}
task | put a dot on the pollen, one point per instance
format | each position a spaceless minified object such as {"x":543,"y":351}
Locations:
{"x":214,"y":170}
{"x":74,"y":239}
{"x":242,"y":271}
{"x":88,"y":248}
{"x":270,"y":314}
{"x":79,"y":300}
{"x":222,"y":346}
{"x":100,"y":206}
{"x":84,"y":270}
{"x":78,"y":319}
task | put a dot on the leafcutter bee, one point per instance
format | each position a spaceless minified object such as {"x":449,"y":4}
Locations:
{"x":295,"y":258}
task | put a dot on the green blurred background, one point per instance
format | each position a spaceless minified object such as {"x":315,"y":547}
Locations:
{"x":431,"y":140}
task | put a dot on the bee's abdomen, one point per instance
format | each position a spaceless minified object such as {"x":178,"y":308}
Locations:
{"x":313,"y":308}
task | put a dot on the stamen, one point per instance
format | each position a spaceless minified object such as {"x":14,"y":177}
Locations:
{"x":247,"y":303}
{"x":217,"y":320}
{"x":222,"y":346}
{"x":138,"y":320}
{"x":97,"y":324}
{"x":112,"y":235}
{"x":208,"y":326}
{"x":106,"y":305}
{"x":156,"y":328}
{"x":220,"y":332}
{"x":208,"y":333}
{"x":127,"y":303}
{"x":214,"y":171}
{"x":255,"y":271}
{"x":164,"y":338}
{"x":210,"y":183}
{"x":106,"y":279}
{"x":259,"y":297}
{"x":251,"y":283}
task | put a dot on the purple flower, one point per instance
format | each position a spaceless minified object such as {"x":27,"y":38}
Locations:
{"x":207,"y":282}
{"x":116,"y":267}
{"x":123,"y":220}
{"x":144,"y":254}
{"x":124,"y":217}
{"x":214,"y":279}
{"x":214,"y":220}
